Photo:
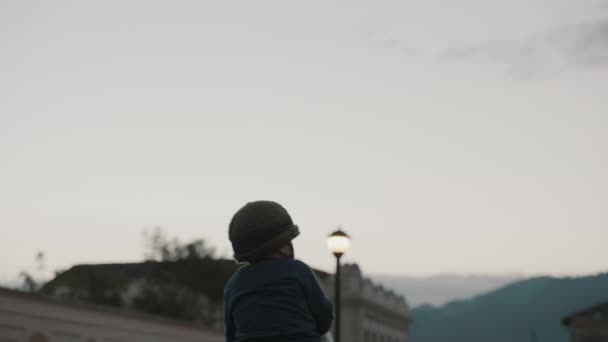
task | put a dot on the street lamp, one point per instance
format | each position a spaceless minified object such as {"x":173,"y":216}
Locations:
{"x":338,"y":243}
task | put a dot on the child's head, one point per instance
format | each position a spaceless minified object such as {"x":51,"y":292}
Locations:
{"x":261,"y":229}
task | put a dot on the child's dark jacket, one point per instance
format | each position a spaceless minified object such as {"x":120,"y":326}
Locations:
{"x":276,"y":300}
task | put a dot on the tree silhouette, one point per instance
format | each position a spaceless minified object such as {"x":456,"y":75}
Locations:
{"x":158,"y":247}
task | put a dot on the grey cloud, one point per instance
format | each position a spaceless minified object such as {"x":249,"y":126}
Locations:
{"x":583,"y":45}
{"x":590,"y":47}
{"x":394,"y":44}
{"x":498,"y":50}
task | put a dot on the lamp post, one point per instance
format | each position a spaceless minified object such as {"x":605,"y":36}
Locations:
{"x":338,"y":243}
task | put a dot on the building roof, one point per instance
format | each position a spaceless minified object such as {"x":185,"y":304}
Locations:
{"x":602,"y":307}
{"x":204,"y":276}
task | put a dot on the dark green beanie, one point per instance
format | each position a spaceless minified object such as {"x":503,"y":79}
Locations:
{"x":258,"y":229}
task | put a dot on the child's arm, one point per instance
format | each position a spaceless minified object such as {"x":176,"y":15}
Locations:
{"x":321,"y":307}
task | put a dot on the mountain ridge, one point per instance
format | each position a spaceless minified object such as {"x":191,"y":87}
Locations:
{"x":440,"y":289}
{"x":514,"y":312}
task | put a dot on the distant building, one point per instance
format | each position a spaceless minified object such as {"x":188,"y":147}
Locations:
{"x":589,"y":325}
{"x":370,"y":312}
{"x":28,"y":317}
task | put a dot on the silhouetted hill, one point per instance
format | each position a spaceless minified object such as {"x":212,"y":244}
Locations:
{"x":203,"y":276}
{"x":441,"y":289}
{"x":513,"y":313}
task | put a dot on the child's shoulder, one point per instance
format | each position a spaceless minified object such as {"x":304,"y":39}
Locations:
{"x":278,"y":265}
{"x":301,"y":270}
{"x":296,"y":264}
{"x":238,"y":274}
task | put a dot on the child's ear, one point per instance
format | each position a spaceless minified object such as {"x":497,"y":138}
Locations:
{"x":287,"y":250}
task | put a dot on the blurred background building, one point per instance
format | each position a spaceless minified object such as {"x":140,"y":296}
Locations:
{"x":589,"y":325}
{"x":26,"y":317}
{"x":370,"y":312}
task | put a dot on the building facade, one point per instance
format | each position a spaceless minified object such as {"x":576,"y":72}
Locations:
{"x":370,"y":312}
{"x":33,"y":318}
{"x":589,"y":325}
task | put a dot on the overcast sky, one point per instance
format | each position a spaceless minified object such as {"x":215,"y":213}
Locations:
{"x":466,"y":136}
